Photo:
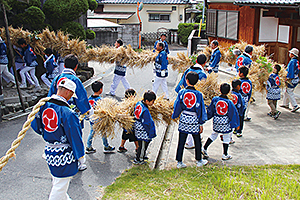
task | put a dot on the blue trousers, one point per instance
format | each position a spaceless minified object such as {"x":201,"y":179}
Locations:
{"x":90,"y":139}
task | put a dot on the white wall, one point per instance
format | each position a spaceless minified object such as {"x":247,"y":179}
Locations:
{"x":268,"y":28}
{"x":146,"y":25}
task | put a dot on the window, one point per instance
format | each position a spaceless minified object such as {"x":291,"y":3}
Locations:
{"x":159,"y":17}
{"x":211,"y":26}
{"x":173,"y":8}
{"x":222,"y":23}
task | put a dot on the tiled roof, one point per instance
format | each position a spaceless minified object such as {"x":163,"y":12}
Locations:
{"x":144,"y":1}
{"x":268,"y":2}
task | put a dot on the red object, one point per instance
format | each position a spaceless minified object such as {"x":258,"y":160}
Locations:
{"x":50,"y":120}
{"x":222,"y":107}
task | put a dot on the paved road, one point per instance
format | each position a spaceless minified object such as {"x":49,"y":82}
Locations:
{"x":264,"y":141}
{"x":28,"y":176}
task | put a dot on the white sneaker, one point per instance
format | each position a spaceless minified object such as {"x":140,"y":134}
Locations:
{"x":228,"y":157}
{"x":82,"y":167}
{"x":295,"y":108}
{"x":201,"y":163}
{"x":204,"y":153}
{"x":189,"y":147}
{"x":181,"y":165}
{"x":23,"y":86}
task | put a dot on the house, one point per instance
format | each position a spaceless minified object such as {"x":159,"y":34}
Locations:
{"x":275,"y":23}
{"x":155,"y":15}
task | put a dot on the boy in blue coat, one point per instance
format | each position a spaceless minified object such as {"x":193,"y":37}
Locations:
{"x":238,"y":101}
{"x":273,"y":92}
{"x":31,"y":64}
{"x":215,"y":57}
{"x":50,"y":66}
{"x":60,"y":128}
{"x":292,"y":80}
{"x":189,"y":105}
{"x":81,"y":104}
{"x":225,"y":119}
{"x":119,"y":74}
{"x":144,"y":126}
{"x":246,"y":89}
{"x":163,"y":38}
{"x":97,"y":88}
{"x":161,"y":70}
{"x":245,"y":58}
{"x":198,"y":68}
{"x":128,"y":135}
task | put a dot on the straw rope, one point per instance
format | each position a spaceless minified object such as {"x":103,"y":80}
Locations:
{"x":11,"y":152}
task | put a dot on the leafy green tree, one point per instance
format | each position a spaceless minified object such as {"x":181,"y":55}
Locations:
{"x":33,"y":18}
{"x":59,"y":12}
{"x":90,"y":34}
{"x":74,"y":29}
{"x":92,"y":4}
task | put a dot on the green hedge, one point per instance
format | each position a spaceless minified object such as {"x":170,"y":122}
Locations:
{"x":184,"y":31}
{"x":92,"y":4}
{"x":33,"y":18}
{"x":60,"y":12}
{"x":90,"y":34}
{"x":75,"y":30}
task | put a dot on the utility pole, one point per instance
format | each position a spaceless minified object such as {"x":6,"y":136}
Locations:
{"x":11,"y":55}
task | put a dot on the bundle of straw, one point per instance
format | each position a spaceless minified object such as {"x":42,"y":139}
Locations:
{"x":107,"y":116}
{"x":181,"y":62}
{"x":209,"y":87}
{"x":110,"y":113}
{"x":162,"y":110}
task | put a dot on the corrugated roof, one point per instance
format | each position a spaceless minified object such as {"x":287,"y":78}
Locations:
{"x":111,"y":15}
{"x":268,"y":2}
{"x":144,"y":1}
{"x":101,"y":23}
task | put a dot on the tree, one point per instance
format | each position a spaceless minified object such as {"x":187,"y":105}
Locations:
{"x":56,"y":14}
{"x":59,"y":12}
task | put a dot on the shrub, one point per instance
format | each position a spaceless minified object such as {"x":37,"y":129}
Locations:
{"x":185,"y":29}
{"x":75,"y":30}
{"x":60,"y":12}
{"x":33,"y":18}
{"x":90,"y":34}
{"x":92,"y":4}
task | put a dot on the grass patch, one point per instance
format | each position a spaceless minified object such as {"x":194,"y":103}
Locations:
{"x":209,"y":182}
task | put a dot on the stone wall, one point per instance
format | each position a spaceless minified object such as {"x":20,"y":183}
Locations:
{"x":130,"y":34}
{"x":104,"y":36}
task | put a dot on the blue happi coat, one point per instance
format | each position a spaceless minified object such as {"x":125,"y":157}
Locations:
{"x":196,"y":68}
{"x":51,"y":67}
{"x":60,"y":128}
{"x":246,"y":90}
{"x":144,"y":126}
{"x":166,"y":47}
{"x":273,"y":90}
{"x":189,"y":105}
{"x":225,"y":115}
{"x":243,"y":60}
{"x":81,"y":102}
{"x":215,"y":60}
{"x":119,"y":69}
{"x":30,"y":57}
{"x":238,"y":101}
{"x":3,"y":53}
{"x":161,"y":63}
{"x":93,"y":99}
{"x":293,"y":71}
{"x":18,"y":58}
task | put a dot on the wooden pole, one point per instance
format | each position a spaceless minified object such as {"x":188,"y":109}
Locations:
{"x":11,"y":55}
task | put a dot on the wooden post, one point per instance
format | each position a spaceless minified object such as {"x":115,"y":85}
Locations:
{"x":11,"y":55}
